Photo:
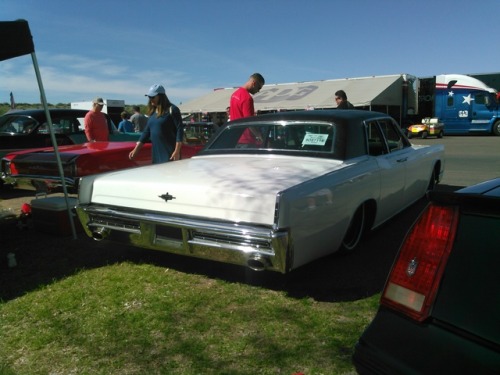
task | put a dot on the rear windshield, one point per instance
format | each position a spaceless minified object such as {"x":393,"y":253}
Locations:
{"x":300,"y":138}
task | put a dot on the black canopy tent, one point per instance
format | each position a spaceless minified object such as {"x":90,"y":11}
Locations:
{"x":17,"y":41}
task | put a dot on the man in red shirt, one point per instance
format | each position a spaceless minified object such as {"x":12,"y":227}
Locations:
{"x":241,"y":104}
{"x":96,"y":125}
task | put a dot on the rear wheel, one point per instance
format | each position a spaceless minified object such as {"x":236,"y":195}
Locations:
{"x":433,"y":181}
{"x":424,"y":134}
{"x":496,"y":128}
{"x":355,"y":230}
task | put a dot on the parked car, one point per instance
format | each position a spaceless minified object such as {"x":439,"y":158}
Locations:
{"x":273,"y":191}
{"x":38,"y":167}
{"x":429,"y":127}
{"x":440,"y":309}
{"x":25,"y":129}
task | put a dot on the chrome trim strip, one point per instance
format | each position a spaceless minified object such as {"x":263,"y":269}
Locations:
{"x":241,"y":244}
{"x":184,"y":222}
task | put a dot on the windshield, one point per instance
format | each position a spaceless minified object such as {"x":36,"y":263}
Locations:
{"x":300,"y":137}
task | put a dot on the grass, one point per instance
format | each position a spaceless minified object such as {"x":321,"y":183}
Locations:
{"x":129,"y":318}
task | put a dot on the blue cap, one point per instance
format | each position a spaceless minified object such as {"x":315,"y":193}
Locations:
{"x":155,"y":90}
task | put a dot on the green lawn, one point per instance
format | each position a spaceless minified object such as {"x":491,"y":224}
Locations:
{"x":129,"y":318}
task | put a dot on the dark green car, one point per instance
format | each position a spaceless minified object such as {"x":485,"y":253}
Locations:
{"x":440,"y":308}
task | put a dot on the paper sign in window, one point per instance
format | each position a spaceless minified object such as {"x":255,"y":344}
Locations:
{"x":311,"y":139}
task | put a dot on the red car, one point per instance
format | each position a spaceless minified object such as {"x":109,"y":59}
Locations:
{"x":38,"y":167}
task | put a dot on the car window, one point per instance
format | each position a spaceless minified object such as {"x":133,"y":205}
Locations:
{"x":376,"y":142}
{"x":198,"y":133}
{"x":291,"y":137}
{"x":66,"y":125}
{"x":17,"y":124}
{"x":393,"y":136}
{"x":61,"y":125}
{"x":81,"y":123}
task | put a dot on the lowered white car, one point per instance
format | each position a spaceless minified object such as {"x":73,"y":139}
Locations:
{"x":272,"y":192}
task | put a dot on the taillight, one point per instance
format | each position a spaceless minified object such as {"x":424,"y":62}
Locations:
{"x":414,"y":279}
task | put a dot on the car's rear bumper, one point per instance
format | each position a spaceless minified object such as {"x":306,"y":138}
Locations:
{"x":40,"y":182}
{"x":258,"y":247}
{"x":393,"y":344}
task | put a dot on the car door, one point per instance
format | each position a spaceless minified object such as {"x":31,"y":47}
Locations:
{"x":415,"y":175}
{"x":386,"y":146}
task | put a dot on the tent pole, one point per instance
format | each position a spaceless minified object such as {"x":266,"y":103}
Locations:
{"x":54,"y":143}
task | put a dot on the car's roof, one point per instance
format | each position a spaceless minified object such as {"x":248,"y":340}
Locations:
{"x":333,"y":115}
{"x":41,"y":112}
{"x":350,"y":138}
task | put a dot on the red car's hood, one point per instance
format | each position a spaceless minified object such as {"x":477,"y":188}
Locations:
{"x":79,"y":149}
{"x":79,"y":160}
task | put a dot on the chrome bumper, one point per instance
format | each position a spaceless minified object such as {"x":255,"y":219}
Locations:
{"x":259,"y":248}
{"x":39,"y":182}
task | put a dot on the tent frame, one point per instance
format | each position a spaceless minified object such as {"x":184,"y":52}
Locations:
{"x":18,"y":41}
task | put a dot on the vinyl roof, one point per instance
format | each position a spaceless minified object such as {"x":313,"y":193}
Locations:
{"x":364,"y":91}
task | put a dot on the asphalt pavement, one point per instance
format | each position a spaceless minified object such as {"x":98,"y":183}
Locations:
{"x":468,"y":159}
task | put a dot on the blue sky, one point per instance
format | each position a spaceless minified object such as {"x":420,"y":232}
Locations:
{"x":118,"y":49}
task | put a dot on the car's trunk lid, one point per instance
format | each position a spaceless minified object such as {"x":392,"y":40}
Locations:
{"x":236,"y":188}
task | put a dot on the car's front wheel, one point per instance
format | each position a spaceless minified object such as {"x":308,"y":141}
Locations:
{"x":354,"y":231}
{"x":496,"y":128}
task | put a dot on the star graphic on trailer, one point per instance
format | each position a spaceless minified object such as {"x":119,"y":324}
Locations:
{"x":451,"y":93}
{"x":467,"y":99}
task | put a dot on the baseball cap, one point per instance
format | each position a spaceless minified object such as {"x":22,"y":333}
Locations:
{"x":155,"y":90}
{"x":98,"y":101}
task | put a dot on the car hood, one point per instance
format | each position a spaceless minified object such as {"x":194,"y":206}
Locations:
{"x":67,"y":154}
{"x":236,"y":187}
{"x":77,"y":149}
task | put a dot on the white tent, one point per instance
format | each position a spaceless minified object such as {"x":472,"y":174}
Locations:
{"x":361,"y":92}
{"x":17,"y":41}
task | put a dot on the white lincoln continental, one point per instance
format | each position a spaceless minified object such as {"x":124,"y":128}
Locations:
{"x":271,"y":192}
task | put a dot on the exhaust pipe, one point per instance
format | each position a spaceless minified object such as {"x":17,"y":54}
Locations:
{"x":100,"y":233}
{"x":258,"y":262}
